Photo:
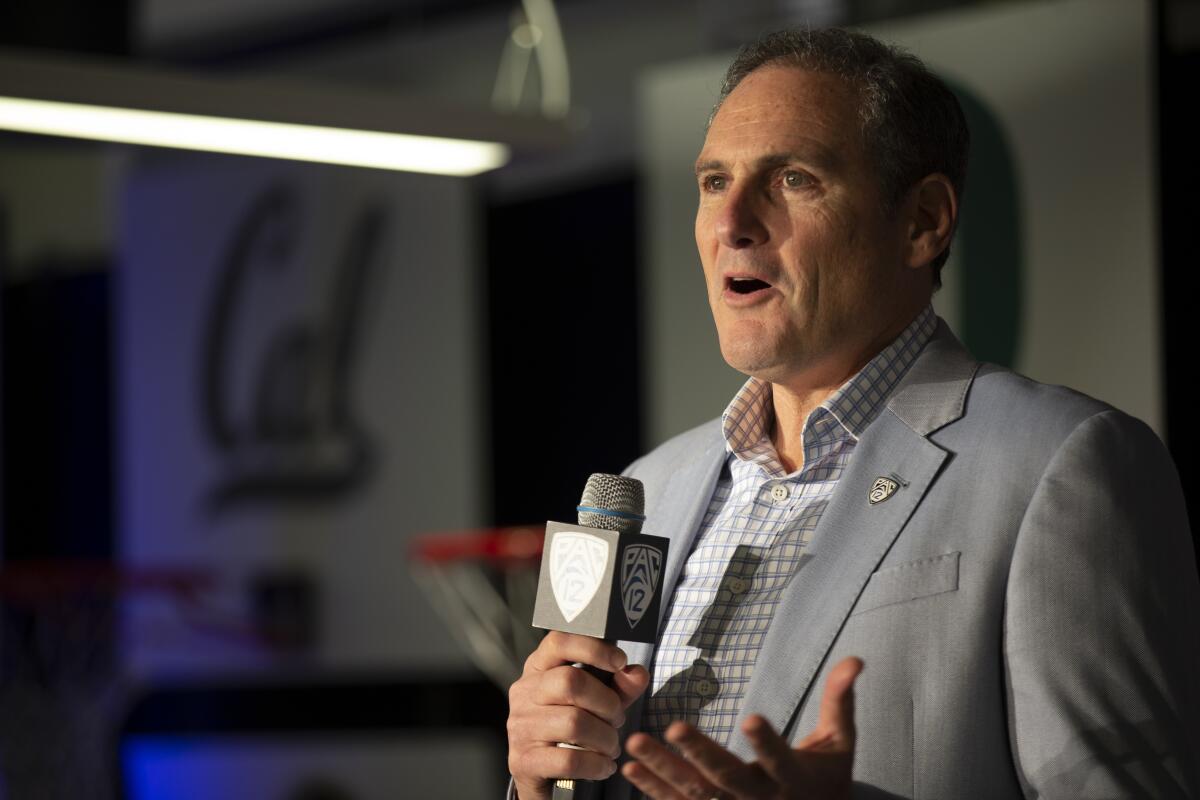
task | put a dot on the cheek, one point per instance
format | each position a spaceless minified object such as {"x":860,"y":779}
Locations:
{"x":705,"y":233}
{"x":706,"y":248}
{"x":836,"y":229}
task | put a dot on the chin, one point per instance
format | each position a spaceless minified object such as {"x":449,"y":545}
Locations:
{"x":754,"y":361}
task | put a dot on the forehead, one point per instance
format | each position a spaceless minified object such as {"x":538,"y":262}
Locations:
{"x":789,"y":109}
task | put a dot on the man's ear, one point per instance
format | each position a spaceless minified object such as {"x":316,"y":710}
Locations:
{"x":932,"y":213}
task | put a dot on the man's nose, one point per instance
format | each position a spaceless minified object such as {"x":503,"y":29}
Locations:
{"x":740,"y":222}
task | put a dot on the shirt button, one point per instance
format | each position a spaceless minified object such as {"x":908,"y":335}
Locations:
{"x":737,"y":585}
{"x":706,"y":688}
{"x":779,"y":493}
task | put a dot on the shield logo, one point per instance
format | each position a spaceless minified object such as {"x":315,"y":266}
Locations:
{"x":640,"y":570}
{"x":577,"y":562}
{"x":882,"y":489}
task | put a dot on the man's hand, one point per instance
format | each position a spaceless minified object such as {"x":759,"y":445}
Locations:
{"x":818,"y":768}
{"x":555,"y":702}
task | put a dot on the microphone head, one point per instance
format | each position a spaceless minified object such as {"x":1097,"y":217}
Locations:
{"x":612,"y":503}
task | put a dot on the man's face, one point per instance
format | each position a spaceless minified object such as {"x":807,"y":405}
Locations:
{"x":805,"y":272}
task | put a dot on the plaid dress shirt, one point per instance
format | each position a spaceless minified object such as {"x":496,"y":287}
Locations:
{"x":753,"y":538}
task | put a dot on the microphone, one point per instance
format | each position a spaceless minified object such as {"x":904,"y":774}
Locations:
{"x":601,"y":578}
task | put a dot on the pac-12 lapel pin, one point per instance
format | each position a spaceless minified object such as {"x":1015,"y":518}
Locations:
{"x":882,"y":489}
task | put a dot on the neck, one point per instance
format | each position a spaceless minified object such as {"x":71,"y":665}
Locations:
{"x":792,"y":406}
{"x":796,"y":398}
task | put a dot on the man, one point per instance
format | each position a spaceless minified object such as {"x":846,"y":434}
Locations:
{"x":1010,"y":561}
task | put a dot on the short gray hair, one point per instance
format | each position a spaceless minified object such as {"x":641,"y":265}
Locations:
{"x":912,"y":124}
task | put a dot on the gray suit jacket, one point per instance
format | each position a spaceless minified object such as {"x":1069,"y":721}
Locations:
{"x":1026,"y":603}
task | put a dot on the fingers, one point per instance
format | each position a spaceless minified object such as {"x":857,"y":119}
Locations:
{"x":662,"y":774}
{"x":555,"y":702}
{"x":534,"y":769}
{"x":536,"y":725}
{"x":554,"y":724}
{"x":702,"y":768}
{"x":819,"y":767}
{"x":558,"y":648}
{"x":822,"y":762}
{"x":566,"y":686}
{"x":648,"y":783}
{"x":774,"y":753}
{"x":717,"y":765}
{"x":551,"y":763}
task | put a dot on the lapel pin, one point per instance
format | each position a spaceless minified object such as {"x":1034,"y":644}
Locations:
{"x":882,"y":489}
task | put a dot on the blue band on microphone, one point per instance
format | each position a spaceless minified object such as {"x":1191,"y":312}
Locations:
{"x":608,"y":512}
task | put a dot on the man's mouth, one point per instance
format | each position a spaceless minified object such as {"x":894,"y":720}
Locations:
{"x":746,"y":285}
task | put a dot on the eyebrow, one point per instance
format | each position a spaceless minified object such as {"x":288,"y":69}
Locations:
{"x":819,"y":157}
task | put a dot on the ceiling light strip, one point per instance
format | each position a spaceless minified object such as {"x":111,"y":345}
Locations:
{"x":357,"y":148}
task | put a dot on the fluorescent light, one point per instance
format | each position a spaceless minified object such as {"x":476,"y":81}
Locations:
{"x":359,"y":148}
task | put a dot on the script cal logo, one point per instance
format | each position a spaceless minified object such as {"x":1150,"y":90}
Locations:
{"x":577,"y":563}
{"x":641,"y":569}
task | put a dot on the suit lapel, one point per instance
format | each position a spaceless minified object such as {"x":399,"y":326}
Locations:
{"x":854,"y":535}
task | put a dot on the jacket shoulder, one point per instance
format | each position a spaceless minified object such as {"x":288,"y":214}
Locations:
{"x":1042,"y":405}
{"x":1009,"y":412}
{"x":654,"y":467}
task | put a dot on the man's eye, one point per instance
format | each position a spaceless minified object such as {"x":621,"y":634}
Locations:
{"x":714,"y":183}
{"x":795,"y":180}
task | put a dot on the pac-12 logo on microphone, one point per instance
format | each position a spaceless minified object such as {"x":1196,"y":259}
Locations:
{"x":577,"y":562}
{"x":640,"y":571}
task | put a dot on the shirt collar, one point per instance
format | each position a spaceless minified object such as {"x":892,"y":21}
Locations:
{"x":848,"y":411}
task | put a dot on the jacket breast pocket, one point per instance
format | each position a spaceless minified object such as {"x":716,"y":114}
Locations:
{"x":904,"y":582}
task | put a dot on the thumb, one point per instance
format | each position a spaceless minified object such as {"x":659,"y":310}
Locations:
{"x":630,"y":682}
{"x":835,"y":721}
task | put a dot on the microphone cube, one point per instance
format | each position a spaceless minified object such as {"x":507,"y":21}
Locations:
{"x":600,"y":583}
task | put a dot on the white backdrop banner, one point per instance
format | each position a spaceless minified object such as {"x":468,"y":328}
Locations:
{"x":298,"y":395}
